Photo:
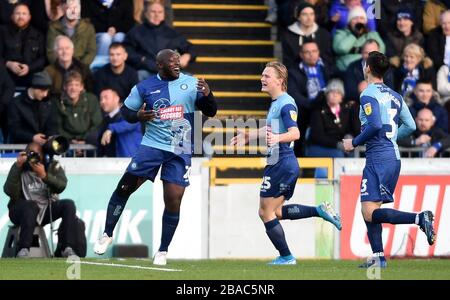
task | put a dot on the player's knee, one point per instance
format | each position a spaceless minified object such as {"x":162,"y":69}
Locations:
{"x":264,"y":214}
{"x":367,"y":215}
{"x":127,"y":185}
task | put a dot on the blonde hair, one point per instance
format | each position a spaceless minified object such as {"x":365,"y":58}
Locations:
{"x":281,"y":71}
{"x":414,"y":49}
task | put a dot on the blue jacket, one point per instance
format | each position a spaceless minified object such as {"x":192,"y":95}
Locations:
{"x":125,"y":140}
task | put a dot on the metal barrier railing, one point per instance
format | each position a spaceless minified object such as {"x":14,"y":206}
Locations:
{"x":85,"y":150}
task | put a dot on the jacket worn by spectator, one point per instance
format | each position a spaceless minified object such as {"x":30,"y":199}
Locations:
{"x":119,"y":15}
{"x":297,"y":83}
{"x":122,"y":83}
{"x":426,"y":71}
{"x":143,"y":43}
{"x":435,"y":46}
{"x":25,"y":46}
{"x":30,"y":195}
{"x":438,"y":110}
{"x":57,"y":73}
{"x":439,"y":139}
{"x":125,"y":140}
{"x":83,"y":40}
{"x":347,"y":46}
{"x":293,"y":38}
{"x":396,"y":41}
{"x":28,"y":117}
{"x":327,"y":130}
{"x":6,"y":96}
{"x":80,"y":120}
{"x":443,"y":83}
{"x":56,"y":181}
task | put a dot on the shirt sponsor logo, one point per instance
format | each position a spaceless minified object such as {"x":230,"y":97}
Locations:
{"x":174,"y":112}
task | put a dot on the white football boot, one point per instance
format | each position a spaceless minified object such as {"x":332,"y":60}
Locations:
{"x":101,"y":245}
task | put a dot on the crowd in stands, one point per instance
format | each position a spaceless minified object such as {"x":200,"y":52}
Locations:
{"x":67,"y":65}
{"x":325,"y":45}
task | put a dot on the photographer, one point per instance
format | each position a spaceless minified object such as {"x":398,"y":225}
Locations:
{"x":348,"y":42}
{"x":30,"y":183}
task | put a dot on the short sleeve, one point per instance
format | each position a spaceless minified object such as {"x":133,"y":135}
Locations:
{"x":289,"y":116}
{"x":134,"y":100}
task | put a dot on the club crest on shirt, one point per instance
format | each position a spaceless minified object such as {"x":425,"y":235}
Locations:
{"x":368,"y":109}
{"x":184,"y":86}
{"x":293,"y":114}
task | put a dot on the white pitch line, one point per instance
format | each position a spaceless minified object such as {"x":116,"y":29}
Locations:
{"x":126,"y":266}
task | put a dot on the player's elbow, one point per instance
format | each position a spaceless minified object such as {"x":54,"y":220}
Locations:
{"x":211,"y":111}
{"x":295,"y":134}
{"x":376,"y":126}
{"x":128,"y":114}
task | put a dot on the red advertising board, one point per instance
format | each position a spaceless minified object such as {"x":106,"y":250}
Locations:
{"x":413,"y":194}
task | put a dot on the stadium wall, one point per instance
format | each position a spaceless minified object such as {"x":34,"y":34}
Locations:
{"x":228,"y":226}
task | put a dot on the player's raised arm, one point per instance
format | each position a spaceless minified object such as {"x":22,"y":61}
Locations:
{"x":206,"y":101}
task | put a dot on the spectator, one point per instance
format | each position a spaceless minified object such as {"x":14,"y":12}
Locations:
{"x":79,"y":115}
{"x":117,"y":73}
{"x":31,"y":185}
{"x":112,"y":19}
{"x":432,"y":13}
{"x":389,"y":14}
{"x":433,"y":139}
{"x":44,"y":12}
{"x":424,"y":97}
{"x":413,"y":67}
{"x":6,"y":9}
{"x":438,"y":42}
{"x":31,"y":116}
{"x":138,"y":11}
{"x":6,"y":95}
{"x":305,"y":81}
{"x":305,"y":28}
{"x":144,"y":41}
{"x":348,"y":42}
{"x":64,"y":63}
{"x":22,"y":47}
{"x":117,"y":137}
{"x":443,"y":83}
{"x":321,"y":9}
{"x":354,"y":76}
{"x":340,"y":11}
{"x":80,"y":31}
{"x":404,"y":33}
{"x":331,"y":122}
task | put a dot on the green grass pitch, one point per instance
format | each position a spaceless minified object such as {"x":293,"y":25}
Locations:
{"x":220,"y":269}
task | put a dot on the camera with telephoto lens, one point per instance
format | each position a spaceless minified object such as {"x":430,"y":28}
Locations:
{"x":55,"y":145}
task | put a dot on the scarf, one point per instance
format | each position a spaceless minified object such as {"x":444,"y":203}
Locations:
{"x":316,"y":81}
{"x":409,"y":82}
